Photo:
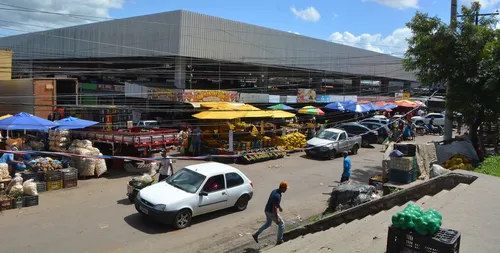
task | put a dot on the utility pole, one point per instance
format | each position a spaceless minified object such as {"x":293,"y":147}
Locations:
{"x":448,"y":123}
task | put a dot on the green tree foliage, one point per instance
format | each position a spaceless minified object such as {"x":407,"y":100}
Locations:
{"x":466,"y":58}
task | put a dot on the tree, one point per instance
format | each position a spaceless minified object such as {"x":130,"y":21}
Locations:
{"x":466,"y":59}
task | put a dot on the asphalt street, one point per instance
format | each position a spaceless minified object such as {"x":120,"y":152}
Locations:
{"x":97,"y":217}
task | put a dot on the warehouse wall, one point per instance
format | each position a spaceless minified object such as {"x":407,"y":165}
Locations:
{"x":16,"y":96}
{"x":5,"y":64}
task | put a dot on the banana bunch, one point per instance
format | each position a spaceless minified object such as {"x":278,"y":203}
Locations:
{"x":292,"y":141}
{"x":458,"y":162}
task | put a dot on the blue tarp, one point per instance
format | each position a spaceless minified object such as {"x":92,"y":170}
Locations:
{"x":74,"y":123}
{"x":371,"y":106}
{"x":26,"y":121}
{"x":335,"y":106}
{"x":356,"y":108}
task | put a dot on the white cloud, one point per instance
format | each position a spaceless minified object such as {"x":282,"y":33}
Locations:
{"x":485,"y":4}
{"x":29,"y":21}
{"x":394,"y":44}
{"x":398,"y":4}
{"x":308,"y":14}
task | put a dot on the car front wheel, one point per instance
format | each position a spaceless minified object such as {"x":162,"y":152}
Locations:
{"x":182,"y":219}
{"x":242,"y":203}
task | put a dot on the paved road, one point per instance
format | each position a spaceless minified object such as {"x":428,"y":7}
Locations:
{"x":96,"y":216}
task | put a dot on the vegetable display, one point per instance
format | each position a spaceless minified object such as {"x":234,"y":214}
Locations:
{"x":412,"y":217}
{"x":292,"y":141}
{"x":458,"y":162}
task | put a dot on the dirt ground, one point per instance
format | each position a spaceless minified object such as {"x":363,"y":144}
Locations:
{"x":97,"y":217}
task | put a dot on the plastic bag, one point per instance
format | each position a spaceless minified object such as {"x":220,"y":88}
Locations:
{"x":146,"y":178}
{"x":100,"y":167}
{"x":437,"y":170}
{"x":4,"y":170}
{"x":350,"y":195}
{"x":88,"y":167}
{"x":29,"y":188}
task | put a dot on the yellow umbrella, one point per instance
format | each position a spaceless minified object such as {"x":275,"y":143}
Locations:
{"x":257,"y":114}
{"x":219,"y":115}
{"x":5,"y":116}
{"x":281,"y":114}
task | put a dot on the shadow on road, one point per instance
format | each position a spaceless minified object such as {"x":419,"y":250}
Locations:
{"x":125,"y":202}
{"x":148,"y":226}
{"x":363,"y":175}
{"x":250,"y":250}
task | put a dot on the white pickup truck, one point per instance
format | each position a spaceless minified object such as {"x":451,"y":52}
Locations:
{"x":438,"y":119}
{"x":330,"y":142}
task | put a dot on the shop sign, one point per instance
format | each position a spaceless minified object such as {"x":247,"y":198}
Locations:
{"x":210,"y":96}
{"x":171,"y":95}
{"x":111,"y":87}
{"x":323,"y":99}
{"x":336,"y":98}
{"x":274,"y":99}
{"x":88,"y":86}
{"x":306,"y":96}
{"x":353,"y":98}
{"x":282,"y":99}
{"x":253,"y":98}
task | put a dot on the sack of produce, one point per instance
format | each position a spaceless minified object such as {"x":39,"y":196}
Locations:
{"x":146,"y":178}
{"x":406,"y":219}
{"x":16,"y":189}
{"x":429,"y":222}
{"x":100,"y":167}
{"x":87,"y":144}
{"x":88,"y":167}
{"x":29,"y":188}
{"x":4,"y":170}
{"x":437,"y":170}
{"x":78,"y":144}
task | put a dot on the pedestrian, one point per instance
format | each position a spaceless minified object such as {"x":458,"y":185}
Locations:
{"x":196,"y":140}
{"x":346,"y":173}
{"x":271,"y":211}
{"x":166,"y":169}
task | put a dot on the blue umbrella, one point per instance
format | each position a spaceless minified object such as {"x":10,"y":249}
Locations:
{"x":371,"y":106}
{"x":356,"y":108}
{"x":388,"y":106}
{"x":74,"y":123}
{"x":335,"y":106}
{"x":348,"y":102}
{"x":26,"y":121}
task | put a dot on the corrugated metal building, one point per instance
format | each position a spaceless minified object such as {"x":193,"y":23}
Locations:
{"x":5,"y":64}
{"x":193,"y":35}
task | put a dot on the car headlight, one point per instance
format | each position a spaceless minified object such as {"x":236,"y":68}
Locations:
{"x":160,"y":207}
{"x":138,"y":196}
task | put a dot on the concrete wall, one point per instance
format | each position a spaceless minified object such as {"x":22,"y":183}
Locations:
{"x":5,"y":64}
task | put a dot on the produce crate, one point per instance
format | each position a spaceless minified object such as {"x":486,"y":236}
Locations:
{"x":41,"y":186}
{"x":70,"y":183}
{"x":69,"y":174}
{"x":31,"y":201}
{"x":444,"y":241}
{"x":37,"y":176}
{"x":6,"y":204}
{"x":402,"y":163}
{"x":17,"y":203}
{"x":401,"y":176}
{"x":53,"y":176}
{"x":406,"y":149}
{"x":54,"y":185}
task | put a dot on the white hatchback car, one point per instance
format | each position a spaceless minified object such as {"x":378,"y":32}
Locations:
{"x":195,"y":190}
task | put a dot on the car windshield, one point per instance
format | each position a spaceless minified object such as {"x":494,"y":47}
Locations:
{"x":327,"y":135}
{"x":186,"y":180}
{"x":152,"y":124}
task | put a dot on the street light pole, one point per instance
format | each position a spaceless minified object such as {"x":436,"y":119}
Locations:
{"x":448,"y":123}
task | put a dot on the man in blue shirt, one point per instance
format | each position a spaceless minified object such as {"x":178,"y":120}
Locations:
{"x":347,"y":168}
{"x":271,"y":211}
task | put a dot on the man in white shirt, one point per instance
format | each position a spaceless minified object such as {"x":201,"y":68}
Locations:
{"x":166,"y":169}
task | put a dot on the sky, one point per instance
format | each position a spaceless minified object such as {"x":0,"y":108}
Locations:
{"x":377,"y":25}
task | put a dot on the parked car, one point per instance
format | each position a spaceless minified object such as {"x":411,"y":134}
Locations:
{"x":382,"y":129}
{"x":438,"y":119}
{"x":367,"y":136}
{"x":379,"y":120}
{"x":195,"y":190}
{"x":330,"y":142}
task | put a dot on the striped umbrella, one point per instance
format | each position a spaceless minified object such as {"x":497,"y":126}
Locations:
{"x":311,"y":110}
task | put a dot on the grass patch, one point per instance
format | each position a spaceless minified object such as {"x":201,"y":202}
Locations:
{"x":490,"y":166}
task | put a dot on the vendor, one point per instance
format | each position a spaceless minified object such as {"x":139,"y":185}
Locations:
{"x":9,"y":159}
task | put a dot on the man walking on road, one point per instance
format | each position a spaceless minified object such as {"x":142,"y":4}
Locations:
{"x":347,"y":168}
{"x":271,"y":211}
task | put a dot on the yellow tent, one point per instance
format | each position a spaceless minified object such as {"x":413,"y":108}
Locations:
{"x":218,"y":115}
{"x":281,"y":114}
{"x":5,"y":116}
{"x":256,"y":114}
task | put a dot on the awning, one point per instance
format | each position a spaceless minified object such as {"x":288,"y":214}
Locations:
{"x":281,"y":114}
{"x":218,"y":115}
{"x":214,"y":104}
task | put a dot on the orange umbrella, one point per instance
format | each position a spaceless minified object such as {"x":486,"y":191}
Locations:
{"x":405,"y":103}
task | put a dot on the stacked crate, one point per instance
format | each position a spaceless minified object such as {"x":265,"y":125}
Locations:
{"x":69,"y":177}
{"x":38,"y":177}
{"x":403,"y":170}
{"x":54,"y":180}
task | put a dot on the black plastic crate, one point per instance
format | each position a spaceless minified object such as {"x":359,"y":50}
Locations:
{"x":403,"y":241}
{"x":17,"y":203}
{"x":41,"y":186}
{"x":69,"y":174}
{"x":402,"y":176}
{"x":30,"y":201}
{"x":406,"y":149}
{"x":36,"y":176}
{"x":53,"y":176}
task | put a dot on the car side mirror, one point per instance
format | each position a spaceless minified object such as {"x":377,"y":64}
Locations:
{"x":203,"y":193}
